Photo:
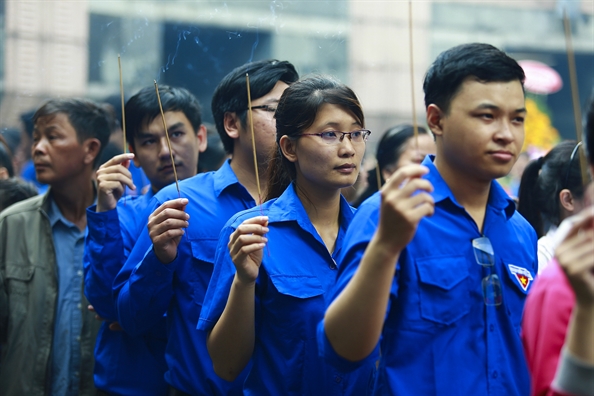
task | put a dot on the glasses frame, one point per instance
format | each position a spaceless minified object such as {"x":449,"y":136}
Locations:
{"x":490,"y":284}
{"x":364,"y":132}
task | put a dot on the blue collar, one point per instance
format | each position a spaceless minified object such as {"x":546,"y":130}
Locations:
{"x":288,"y":207}
{"x":224,"y":178}
{"x":498,"y":198}
{"x":55,"y":215}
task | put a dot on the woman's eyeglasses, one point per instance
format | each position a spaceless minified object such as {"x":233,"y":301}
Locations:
{"x":491,"y":285}
{"x":336,"y":137}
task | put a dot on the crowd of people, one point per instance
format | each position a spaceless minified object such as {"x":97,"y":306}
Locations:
{"x":185,"y":261}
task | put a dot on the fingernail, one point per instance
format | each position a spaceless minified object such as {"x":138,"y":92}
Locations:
{"x":265,"y":229}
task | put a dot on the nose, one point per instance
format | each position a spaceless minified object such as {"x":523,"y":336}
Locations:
{"x":164,"y":152}
{"x":505,"y":134}
{"x":346,"y":147}
{"x":38,"y":147}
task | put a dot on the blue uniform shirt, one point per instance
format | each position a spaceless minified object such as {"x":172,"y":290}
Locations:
{"x":148,"y":288}
{"x":124,"y":364}
{"x":295,"y":278}
{"x":66,"y":353}
{"x":439,"y":337}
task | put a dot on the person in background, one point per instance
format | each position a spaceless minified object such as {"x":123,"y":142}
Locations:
{"x":435,"y":268}
{"x":116,"y":222}
{"x":15,"y":190}
{"x":168,"y":273}
{"x":6,"y":163}
{"x":47,"y":333}
{"x":550,"y":191}
{"x":558,"y":321}
{"x":397,"y":148}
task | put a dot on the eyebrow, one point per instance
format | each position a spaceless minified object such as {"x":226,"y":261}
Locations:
{"x":145,"y":134}
{"x":336,"y":124}
{"x":489,"y":106}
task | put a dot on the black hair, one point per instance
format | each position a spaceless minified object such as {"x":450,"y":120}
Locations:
{"x":542,"y":181}
{"x":482,"y":61}
{"x":230,"y":96}
{"x":142,"y":108}
{"x":6,"y":157}
{"x":14,"y":190}
{"x":111,"y":150}
{"x":89,"y":119}
{"x":28,"y":123}
{"x":389,"y":150}
{"x":12,"y":138}
{"x":214,"y":155}
{"x":297,"y":111}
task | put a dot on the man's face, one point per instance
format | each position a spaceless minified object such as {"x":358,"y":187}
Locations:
{"x":152,"y":152}
{"x":57,"y":154}
{"x":264,"y":123}
{"x":483,"y":133}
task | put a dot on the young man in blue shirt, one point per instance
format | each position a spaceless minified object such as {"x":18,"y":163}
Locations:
{"x":438,"y":264}
{"x":114,"y":225}
{"x":169,"y":269}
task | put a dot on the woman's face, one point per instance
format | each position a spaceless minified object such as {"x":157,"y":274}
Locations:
{"x":321,"y":165}
{"x":412,"y":155}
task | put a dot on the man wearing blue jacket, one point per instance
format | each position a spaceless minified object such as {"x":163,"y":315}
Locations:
{"x":127,"y":364}
{"x":170,"y":267}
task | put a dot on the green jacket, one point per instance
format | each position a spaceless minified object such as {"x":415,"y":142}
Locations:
{"x":28,"y":297}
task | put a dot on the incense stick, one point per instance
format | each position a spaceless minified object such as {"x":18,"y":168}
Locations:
{"x":122,"y":98}
{"x":412,"y":76}
{"x":167,"y":137}
{"x":575,"y":96}
{"x":250,"y":115}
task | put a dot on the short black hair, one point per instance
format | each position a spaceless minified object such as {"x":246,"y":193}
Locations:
{"x":88,"y":118}
{"x":230,"y":96}
{"x":14,"y":190}
{"x":142,"y":108}
{"x":483,"y":61}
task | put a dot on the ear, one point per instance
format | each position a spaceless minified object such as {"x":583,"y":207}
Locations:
{"x":91,"y":148}
{"x":434,"y":119}
{"x":387,"y":172}
{"x":232,"y":125}
{"x":133,"y":151}
{"x":4,"y":173}
{"x":287,"y":147}
{"x":201,"y":135}
{"x":566,"y":200}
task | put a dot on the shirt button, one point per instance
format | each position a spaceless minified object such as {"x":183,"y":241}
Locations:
{"x":76,"y":373}
{"x":333,"y":265}
{"x":78,"y":338}
{"x":491,"y":327}
{"x":79,"y":305}
{"x":495,"y":374}
{"x":79,"y":273}
{"x":337,"y":379}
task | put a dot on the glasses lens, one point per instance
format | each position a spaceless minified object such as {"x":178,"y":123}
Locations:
{"x":492,"y":290}
{"x":329,"y":137}
{"x":483,"y":251}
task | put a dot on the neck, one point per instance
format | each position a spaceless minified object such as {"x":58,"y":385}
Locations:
{"x":470,"y":193}
{"x":73,"y":199}
{"x":243,"y":167}
{"x":323,"y":210}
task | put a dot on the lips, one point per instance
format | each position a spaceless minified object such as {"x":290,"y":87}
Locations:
{"x":169,"y":167}
{"x":502,"y":155}
{"x":346,"y":168}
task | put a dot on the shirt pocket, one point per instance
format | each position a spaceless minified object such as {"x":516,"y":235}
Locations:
{"x":444,"y":290}
{"x":201,"y":267}
{"x":18,"y":279}
{"x":299,"y":304}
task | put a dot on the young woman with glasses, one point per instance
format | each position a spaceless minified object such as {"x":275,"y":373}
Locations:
{"x":276,"y":263}
{"x":551,"y":190}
